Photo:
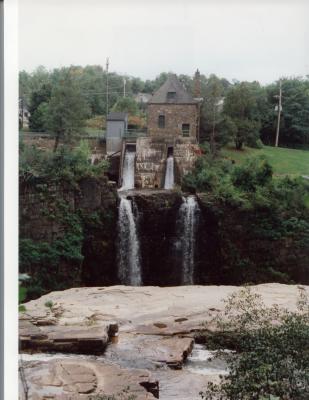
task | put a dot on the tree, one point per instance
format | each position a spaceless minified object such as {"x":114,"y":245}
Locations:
{"x":25,"y":87}
{"x":38,"y":107}
{"x":295,"y":111}
{"x":126,"y":104}
{"x":242,"y":107}
{"x":211,"y":113}
{"x":294,"y":122}
{"x":136,"y":85}
{"x":67,"y":110}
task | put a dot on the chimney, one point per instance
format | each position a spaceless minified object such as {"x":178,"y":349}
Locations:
{"x":197,"y":85}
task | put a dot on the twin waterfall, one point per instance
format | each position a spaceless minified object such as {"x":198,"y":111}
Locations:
{"x":129,"y":257}
{"x":169,"y":173}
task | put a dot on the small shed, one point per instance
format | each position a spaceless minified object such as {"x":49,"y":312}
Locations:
{"x":116,"y":126}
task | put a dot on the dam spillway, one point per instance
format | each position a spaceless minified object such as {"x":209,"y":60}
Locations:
{"x":128,"y":173}
{"x":169,"y":174}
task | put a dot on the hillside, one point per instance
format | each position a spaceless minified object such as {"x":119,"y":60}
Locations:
{"x":284,"y":160}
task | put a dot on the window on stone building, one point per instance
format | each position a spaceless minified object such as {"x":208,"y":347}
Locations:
{"x":171,"y":95}
{"x":185,"y":129}
{"x":161,"y":121}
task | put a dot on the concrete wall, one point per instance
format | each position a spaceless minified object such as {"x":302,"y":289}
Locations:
{"x":175,"y":116}
{"x":151,"y":155}
{"x":185,"y":155}
{"x":150,"y":163}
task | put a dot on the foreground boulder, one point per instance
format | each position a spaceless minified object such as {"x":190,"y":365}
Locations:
{"x":83,"y":379}
{"x":63,"y":338}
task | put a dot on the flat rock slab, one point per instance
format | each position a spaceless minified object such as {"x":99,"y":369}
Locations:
{"x":150,"y":310}
{"x":70,"y":339}
{"x":151,"y":352}
{"x":83,"y":379}
{"x":182,"y":385}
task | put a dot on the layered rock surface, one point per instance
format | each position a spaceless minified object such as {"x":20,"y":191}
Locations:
{"x":67,"y":379}
{"x":152,"y":310}
{"x":156,"y":327}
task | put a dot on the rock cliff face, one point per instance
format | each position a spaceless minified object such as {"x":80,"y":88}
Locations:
{"x":157,"y":231}
{"x":232,"y":246}
{"x":238,"y":246}
{"x":74,"y":225}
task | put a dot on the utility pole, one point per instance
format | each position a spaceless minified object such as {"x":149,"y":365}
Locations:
{"x":124,"y":87}
{"x":107,"y":64}
{"x":279,"y":114}
{"x":22,"y":112}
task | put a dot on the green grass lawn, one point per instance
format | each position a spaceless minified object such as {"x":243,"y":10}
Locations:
{"x":284,"y":161}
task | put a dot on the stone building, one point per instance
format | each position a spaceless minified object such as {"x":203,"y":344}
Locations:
{"x":172,"y":112}
{"x":172,"y":130}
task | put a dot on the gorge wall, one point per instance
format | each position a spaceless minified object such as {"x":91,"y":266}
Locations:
{"x":69,"y":236}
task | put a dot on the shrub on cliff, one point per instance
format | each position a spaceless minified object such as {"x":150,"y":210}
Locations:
{"x":253,"y":173}
{"x":53,"y":261}
{"x":270,"y":215}
{"x":250,"y":185}
{"x":208,"y":175}
{"x":65,"y":164}
{"x":272,"y":350}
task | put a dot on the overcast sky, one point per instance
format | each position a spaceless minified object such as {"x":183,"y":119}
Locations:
{"x":244,"y":40}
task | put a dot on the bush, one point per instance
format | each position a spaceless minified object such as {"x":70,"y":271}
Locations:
{"x":48,"y":304}
{"x":64,"y":164}
{"x":253,"y":173}
{"x":96,"y":122}
{"x":272,"y":350}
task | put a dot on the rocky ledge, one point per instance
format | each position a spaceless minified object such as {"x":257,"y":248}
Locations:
{"x":145,"y":333}
{"x":83,"y":340}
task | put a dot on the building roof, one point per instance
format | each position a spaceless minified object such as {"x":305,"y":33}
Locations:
{"x":117,"y":116}
{"x":172,"y":85}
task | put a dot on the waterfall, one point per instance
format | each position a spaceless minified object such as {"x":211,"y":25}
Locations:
{"x":169,"y":174}
{"x":188,"y":219}
{"x":128,"y":171}
{"x":129,"y":271}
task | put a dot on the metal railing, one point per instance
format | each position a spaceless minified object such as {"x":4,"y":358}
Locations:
{"x":135,"y":133}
